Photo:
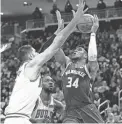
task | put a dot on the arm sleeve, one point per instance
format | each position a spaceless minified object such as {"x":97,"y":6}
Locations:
{"x":48,"y":43}
{"x":92,"y":50}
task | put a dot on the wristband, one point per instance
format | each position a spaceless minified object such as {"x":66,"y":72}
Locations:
{"x":93,"y":34}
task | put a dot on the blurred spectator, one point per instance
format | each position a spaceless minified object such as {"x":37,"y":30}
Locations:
{"x":120,"y":61}
{"x":68,"y":7}
{"x":101,"y":4}
{"x":119,"y":78}
{"x":121,"y":115}
{"x":115,"y":109}
{"x":110,"y":118}
{"x":108,"y":111}
{"x":118,"y":3}
{"x":97,"y":99}
{"x":53,"y":11}
{"x":115,"y":65}
{"x":119,"y":32}
{"x":112,"y":32}
{"x":37,"y":14}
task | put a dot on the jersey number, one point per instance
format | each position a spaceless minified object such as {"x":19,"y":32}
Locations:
{"x":72,"y":83}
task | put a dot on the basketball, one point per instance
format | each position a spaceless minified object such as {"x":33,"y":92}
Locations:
{"x":85,"y":24}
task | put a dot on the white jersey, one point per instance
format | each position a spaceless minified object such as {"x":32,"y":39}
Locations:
{"x":42,"y":112}
{"x":24,"y":96}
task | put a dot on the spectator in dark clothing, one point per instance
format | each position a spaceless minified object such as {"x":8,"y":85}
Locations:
{"x":37,"y":14}
{"x":118,"y":3}
{"x":101,"y":5}
{"x":68,"y":7}
{"x":53,"y":11}
{"x":119,"y":78}
{"x":107,"y":75}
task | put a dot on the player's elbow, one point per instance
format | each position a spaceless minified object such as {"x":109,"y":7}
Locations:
{"x":61,"y":36}
{"x":94,"y":66}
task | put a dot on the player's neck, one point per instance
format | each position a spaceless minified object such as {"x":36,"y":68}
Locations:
{"x":80,"y":63}
{"x":46,"y":96}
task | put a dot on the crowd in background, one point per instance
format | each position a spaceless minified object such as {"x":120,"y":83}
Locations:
{"x":109,"y":78}
{"x":100,"y":6}
{"x":108,"y":82}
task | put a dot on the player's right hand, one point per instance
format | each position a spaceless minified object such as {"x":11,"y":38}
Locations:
{"x":60,"y":22}
{"x":95,"y":24}
{"x":80,"y":11}
{"x":75,"y":29}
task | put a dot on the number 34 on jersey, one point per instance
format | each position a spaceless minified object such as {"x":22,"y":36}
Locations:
{"x":72,"y":83}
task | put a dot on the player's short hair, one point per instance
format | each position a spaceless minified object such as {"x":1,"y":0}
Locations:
{"x":23,"y":52}
{"x":80,"y":48}
{"x":46,"y":76}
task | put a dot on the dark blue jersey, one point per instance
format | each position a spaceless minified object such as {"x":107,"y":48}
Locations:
{"x":76,"y":86}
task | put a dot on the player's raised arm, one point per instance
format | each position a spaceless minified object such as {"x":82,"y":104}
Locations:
{"x":60,"y":55}
{"x":32,"y":69}
{"x":60,"y":27}
{"x":92,"y":50}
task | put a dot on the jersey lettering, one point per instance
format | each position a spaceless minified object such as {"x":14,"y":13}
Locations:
{"x":71,"y":83}
{"x":43,"y":113}
{"x":82,"y":74}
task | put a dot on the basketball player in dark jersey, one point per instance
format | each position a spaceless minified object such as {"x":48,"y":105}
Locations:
{"x":77,"y":77}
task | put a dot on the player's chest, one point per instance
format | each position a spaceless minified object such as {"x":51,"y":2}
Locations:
{"x":75,"y":78}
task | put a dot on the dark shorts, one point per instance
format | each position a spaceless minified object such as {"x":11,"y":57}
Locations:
{"x":87,"y":114}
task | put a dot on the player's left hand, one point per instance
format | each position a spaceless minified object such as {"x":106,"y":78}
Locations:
{"x":75,"y":29}
{"x":95,"y":24}
{"x":60,"y":22}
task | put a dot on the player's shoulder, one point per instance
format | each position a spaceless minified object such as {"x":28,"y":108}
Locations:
{"x":68,"y":60}
{"x":21,"y":68}
{"x":86,"y":68}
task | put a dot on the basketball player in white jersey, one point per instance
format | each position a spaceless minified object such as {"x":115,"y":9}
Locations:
{"x":46,"y":104}
{"x":27,"y":88}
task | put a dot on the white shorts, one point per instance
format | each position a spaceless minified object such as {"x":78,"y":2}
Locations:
{"x":17,"y":121}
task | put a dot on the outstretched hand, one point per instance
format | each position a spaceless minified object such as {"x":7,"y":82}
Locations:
{"x":75,"y":29}
{"x":60,"y":22}
{"x":95,"y":24}
{"x":80,"y":11}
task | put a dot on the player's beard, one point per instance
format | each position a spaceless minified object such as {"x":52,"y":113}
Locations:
{"x":75,"y":58}
{"x":49,"y":90}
